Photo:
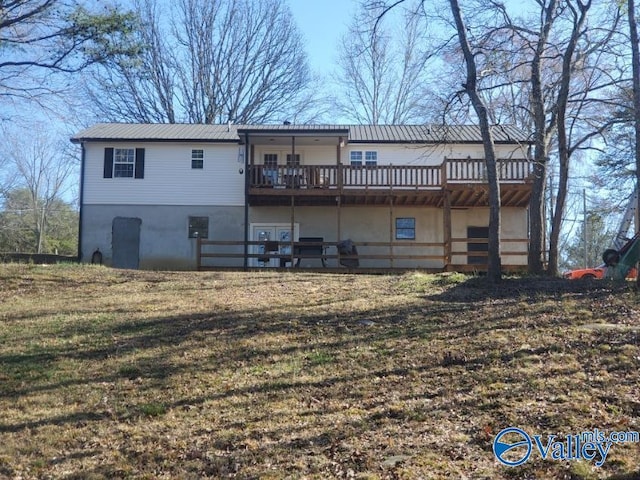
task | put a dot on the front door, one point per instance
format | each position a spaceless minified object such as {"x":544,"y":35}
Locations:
{"x":125,"y":242}
{"x":274,"y":240}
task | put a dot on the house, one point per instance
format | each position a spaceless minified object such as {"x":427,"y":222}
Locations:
{"x":178,"y":196}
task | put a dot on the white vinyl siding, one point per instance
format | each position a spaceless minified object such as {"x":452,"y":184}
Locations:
{"x":389,"y":154}
{"x":168,"y":179}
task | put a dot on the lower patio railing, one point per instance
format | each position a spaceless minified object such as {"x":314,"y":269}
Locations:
{"x":433,"y":256}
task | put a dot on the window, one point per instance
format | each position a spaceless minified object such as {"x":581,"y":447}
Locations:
{"x":370,"y":158}
{"x":295,"y":162}
{"x":406,"y":228}
{"x":123,"y":162}
{"x":270,"y":160}
{"x":197,"y":159}
{"x":198,"y":227}
{"x":270,"y":172}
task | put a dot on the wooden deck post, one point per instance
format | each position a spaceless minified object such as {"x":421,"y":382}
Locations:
{"x":249,"y":153}
{"x":339,"y":181}
{"x":198,"y":253}
{"x":339,"y":219}
{"x":391,"y":230}
{"x":293,"y":224}
{"x":446,"y":216}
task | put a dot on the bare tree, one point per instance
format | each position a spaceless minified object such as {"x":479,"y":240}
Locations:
{"x":635,"y":62}
{"x":211,"y":62}
{"x":383,"y":74}
{"x":140,"y":89}
{"x":494,"y":273}
{"x":565,"y":73}
{"x":43,"y":39}
{"x":579,"y":91}
{"x":42,"y":168}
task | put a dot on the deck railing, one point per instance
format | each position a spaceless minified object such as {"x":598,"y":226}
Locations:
{"x":386,"y":176}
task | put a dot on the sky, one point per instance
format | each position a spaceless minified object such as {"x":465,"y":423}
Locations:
{"x":322,"y":23}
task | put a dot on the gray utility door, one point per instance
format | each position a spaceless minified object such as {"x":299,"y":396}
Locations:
{"x":125,"y":242}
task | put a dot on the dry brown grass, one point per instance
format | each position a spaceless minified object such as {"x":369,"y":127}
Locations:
{"x":120,"y":374}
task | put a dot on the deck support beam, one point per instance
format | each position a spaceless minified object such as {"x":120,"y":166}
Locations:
{"x":339,"y":196}
{"x":391,"y":229}
{"x":293,"y":224}
{"x":446,"y":218}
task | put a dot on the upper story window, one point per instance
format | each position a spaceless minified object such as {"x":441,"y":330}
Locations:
{"x":197,"y":158}
{"x":293,"y":161}
{"x":123,"y":162}
{"x":369,"y":157}
{"x":271,"y":160}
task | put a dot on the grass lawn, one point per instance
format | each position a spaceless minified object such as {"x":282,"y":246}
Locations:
{"x":121,"y":374}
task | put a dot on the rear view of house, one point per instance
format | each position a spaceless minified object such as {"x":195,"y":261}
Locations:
{"x":288,"y":196}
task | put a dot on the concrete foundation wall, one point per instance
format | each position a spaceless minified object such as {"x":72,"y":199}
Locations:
{"x":164,"y":242}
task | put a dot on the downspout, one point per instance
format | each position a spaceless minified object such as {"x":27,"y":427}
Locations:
{"x":246,"y":201}
{"x":82,"y":161}
{"x":296,"y":171}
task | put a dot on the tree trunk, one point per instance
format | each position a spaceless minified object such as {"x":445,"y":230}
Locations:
{"x":541,"y":146}
{"x":579,"y":11}
{"x":556,"y":223}
{"x":635,"y":63}
{"x":494,"y":268}
{"x":41,"y":218}
{"x":536,"y":217}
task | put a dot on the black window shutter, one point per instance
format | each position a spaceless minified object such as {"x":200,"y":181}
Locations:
{"x":139,"y":163}
{"x":108,"y":163}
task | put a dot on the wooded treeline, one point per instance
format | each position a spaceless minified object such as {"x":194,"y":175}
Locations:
{"x":561,"y":70}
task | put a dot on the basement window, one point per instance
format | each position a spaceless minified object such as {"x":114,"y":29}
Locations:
{"x":198,"y":227}
{"x":405,"y":228}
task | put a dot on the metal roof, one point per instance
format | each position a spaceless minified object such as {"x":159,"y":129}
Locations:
{"x":356,"y":133}
{"x":432,"y":134}
{"x":158,"y":132}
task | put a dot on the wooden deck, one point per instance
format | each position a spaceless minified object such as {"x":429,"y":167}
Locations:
{"x":464,"y":180}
